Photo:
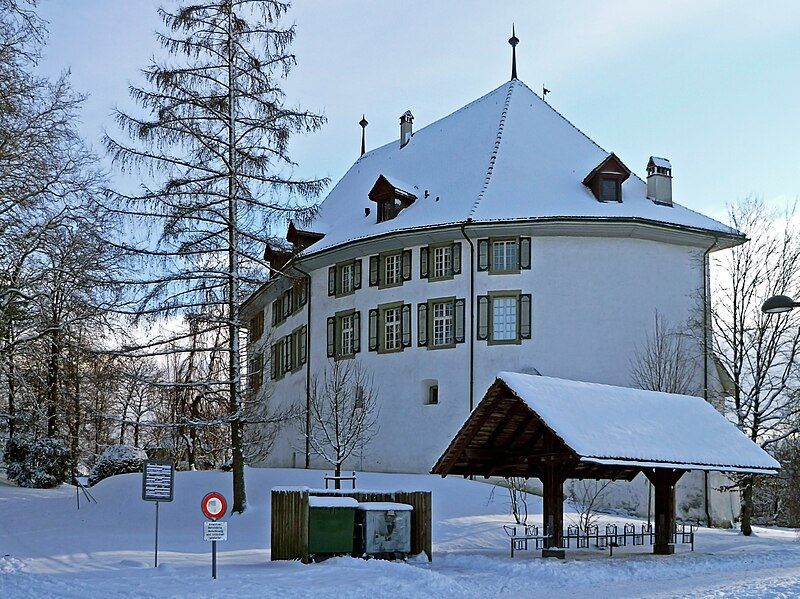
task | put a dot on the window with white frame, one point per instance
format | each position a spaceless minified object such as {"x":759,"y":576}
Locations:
{"x":504,"y":255}
{"x":504,"y":318}
{"x":346,"y":344}
{"x":392,"y":269}
{"x":392,"y":328}
{"x":443,"y":261}
{"x":442,"y":323}
{"x":346,"y":284}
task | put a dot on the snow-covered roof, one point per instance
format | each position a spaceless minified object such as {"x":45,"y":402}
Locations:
{"x":315,"y":501}
{"x":661,"y":162}
{"x":506,"y":156}
{"x":384,"y":506}
{"x":612,"y":425}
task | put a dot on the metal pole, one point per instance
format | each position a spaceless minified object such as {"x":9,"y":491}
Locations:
{"x":214,"y":560}
{"x":156,"y":552}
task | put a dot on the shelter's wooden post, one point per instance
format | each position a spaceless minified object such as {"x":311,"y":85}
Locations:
{"x":553,"y":510}
{"x":664,"y":490}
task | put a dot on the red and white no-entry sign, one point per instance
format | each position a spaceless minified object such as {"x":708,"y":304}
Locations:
{"x":214,"y":506}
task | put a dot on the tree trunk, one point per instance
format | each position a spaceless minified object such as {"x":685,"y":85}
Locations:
{"x":237,"y":467}
{"x":747,"y":506}
{"x":12,"y":385}
{"x":52,"y":385}
{"x":337,"y":472}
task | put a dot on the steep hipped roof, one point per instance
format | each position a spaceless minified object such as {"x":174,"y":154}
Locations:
{"x":604,"y":426}
{"x":505,"y":156}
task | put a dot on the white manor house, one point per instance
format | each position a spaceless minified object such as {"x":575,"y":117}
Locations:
{"x":498,"y":238}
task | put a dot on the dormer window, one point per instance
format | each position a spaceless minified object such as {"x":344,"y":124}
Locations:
{"x":391,"y":196}
{"x":610,"y":190}
{"x":606,"y":179}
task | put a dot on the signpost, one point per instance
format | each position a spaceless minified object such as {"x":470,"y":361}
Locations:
{"x":158,"y":484}
{"x":214,"y":507}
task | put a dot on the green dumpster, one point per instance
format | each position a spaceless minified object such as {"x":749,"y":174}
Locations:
{"x":330,"y":525}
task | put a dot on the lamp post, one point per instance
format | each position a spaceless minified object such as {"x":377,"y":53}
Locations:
{"x":778,"y":304}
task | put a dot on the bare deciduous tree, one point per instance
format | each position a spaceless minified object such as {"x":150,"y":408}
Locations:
{"x":759,"y":351}
{"x":518,"y":497}
{"x":586,"y":496}
{"x":665,"y":361}
{"x":343,"y":413}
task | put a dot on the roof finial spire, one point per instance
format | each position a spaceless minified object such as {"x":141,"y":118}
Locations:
{"x":363,"y":122}
{"x":513,"y":40}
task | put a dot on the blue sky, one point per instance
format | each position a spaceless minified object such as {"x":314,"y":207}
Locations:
{"x":712,"y":85}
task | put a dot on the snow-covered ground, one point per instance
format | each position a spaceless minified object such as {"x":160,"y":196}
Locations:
{"x":50,"y":549}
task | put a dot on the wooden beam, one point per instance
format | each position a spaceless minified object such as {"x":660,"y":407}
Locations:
{"x":664,"y":481}
{"x":480,"y":419}
{"x":553,"y":510}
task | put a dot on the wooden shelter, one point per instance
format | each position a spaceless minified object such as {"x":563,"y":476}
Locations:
{"x":556,"y":429}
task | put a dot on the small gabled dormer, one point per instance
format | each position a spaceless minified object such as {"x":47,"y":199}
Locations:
{"x":606,"y":179}
{"x":391,"y":196}
{"x":300,"y":239}
{"x":276,"y":256}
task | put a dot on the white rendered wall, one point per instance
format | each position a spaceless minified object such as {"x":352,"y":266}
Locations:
{"x":593,"y":301}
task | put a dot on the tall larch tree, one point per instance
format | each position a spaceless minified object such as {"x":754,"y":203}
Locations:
{"x":211,"y":144}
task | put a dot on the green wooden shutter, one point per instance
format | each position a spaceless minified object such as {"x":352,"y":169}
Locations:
{"x":525,"y":316}
{"x":288,"y":303}
{"x":356,"y":332}
{"x":373,"y":329}
{"x":332,"y":280}
{"x":276,"y":312}
{"x":406,"y":258}
{"x":273,"y":363}
{"x":288,"y":352}
{"x":483,"y":317}
{"x":524,"y":252}
{"x":302,"y":347}
{"x":423,"y":262}
{"x":357,"y":274}
{"x":483,"y":254}
{"x":406,"y":325}
{"x":331,"y":336}
{"x":422,"y":324}
{"x":455,"y":253}
{"x":374,"y":271}
{"x":458,"y":308}
{"x":302,"y":293}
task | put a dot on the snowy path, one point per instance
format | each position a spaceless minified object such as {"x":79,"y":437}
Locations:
{"x":49,"y":549}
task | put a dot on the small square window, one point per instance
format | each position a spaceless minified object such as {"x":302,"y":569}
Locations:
{"x":433,"y":395}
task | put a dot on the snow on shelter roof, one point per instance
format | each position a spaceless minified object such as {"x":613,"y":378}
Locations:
{"x":612,"y":425}
{"x":506,"y":156}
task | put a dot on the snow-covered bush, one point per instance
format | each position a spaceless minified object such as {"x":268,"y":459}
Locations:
{"x":117,"y":459}
{"x":39,"y":463}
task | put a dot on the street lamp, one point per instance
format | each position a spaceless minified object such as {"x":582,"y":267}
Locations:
{"x":779,"y":303}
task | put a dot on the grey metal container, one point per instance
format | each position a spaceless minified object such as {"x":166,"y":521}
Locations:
{"x":383,"y":529}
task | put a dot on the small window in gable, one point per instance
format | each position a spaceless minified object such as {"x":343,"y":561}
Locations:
{"x":609,"y":190}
